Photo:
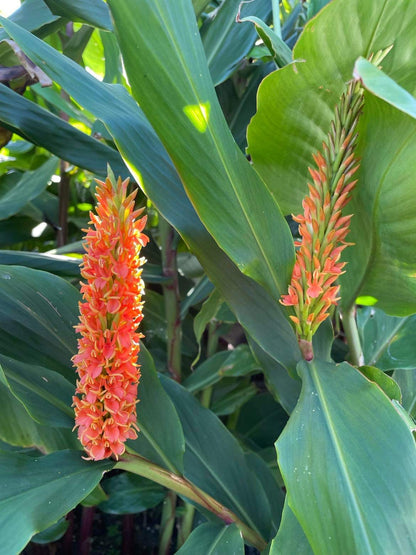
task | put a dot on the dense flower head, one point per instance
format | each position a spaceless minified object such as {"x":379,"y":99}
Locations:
{"x":109,"y":343}
{"x":322,"y":227}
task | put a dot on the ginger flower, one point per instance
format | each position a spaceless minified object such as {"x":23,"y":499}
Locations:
{"x":108,"y":374}
{"x":313,"y":289}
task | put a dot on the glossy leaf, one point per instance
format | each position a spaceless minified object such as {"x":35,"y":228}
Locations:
{"x":41,"y":127}
{"x":211,"y":458}
{"x":93,"y":12}
{"x":225,"y":41}
{"x":214,"y":539}
{"x":342,"y":504}
{"x":129,"y":494}
{"x":37,"y":491}
{"x":53,"y":533}
{"x":28,"y":187}
{"x":406,"y":379}
{"x":384,"y":381}
{"x":382,"y":204}
{"x":161,"y":444}
{"x":184,"y":110}
{"x":46,"y":395}
{"x":31,"y":15}
{"x":259,"y":313}
{"x":37,"y":315}
{"x":388,"y":342}
{"x":55,"y":264}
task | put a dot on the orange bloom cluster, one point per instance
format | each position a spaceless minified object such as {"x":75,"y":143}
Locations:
{"x":105,"y":400}
{"x":312,"y":290}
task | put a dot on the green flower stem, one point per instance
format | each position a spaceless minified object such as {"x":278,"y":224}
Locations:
{"x":169,"y":239}
{"x":180,"y":485}
{"x":353,"y":339}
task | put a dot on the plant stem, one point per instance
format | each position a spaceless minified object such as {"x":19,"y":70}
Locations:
{"x":179,"y":484}
{"x":186,"y":524}
{"x":353,"y":337}
{"x":167,"y":523}
{"x":168,"y":239}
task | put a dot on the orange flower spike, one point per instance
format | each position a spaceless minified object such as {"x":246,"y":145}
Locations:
{"x":105,"y":398}
{"x":322,"y":226}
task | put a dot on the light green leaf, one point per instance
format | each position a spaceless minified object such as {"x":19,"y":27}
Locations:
{"x":384,"y":381}
{"x":214,"y":539}
{"x":343,"y":504}
{"x":37,"y":314}
{"x":180,"y":102}
{"x":163,"y":445}
{"x":37,"y":491}
{"x":407,"y":383}
{"x":29,"y":186}
{"x":290,"y":538}
{"x":382,"y":203}
{"x":212,"y":456}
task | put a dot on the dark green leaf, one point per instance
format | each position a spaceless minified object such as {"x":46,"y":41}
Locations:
{"x":93,"y":12}
{"x":53,"y":533}
{"x":290,"y":538}
{"x":38,"y":491}
{"x":342,"y":504}
{"x":407,"y":383}
{"x":214,"y":539}
{"x":212,"y":456}
{"x":37,"y":315}
{"x":129,"y":494}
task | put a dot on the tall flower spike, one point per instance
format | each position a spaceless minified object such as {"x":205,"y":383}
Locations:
{"x":108,"y":374}
{"x":322,"y":227}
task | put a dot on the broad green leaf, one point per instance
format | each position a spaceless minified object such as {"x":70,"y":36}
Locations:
{"x":37,"y":315}
{"x":314,"y":6}
{"x":227,"y":400}
{"x":290,"y":538}
{"x":258,"y":312}
{"x":129,"y":494}
{"x":207,"y":313}
{"x":383,"y":380}
{"x":238,"y":362}
{"x":28,"y":187}
{"x":184,"y":110}
{"x":211,"y":458}
{"x":32,"y":15}
{"x":355,"y":499}
{"x":385,"y":140}
{"x":214,"y":539}
{"x":46,"y":395}
{"x":93,"y":12}
{"x":161,"y":444}
{"x":225,"y":41}
{"x":53,"y":533}
{"x":388,"y":341}
{"x":19,"y":429}
{"x":199,"y":5}
{"x":38,"y":491}
{"x":41,"y":127}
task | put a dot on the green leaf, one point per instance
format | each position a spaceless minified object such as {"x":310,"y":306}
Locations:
{"x":28,"y":187}
{"x":385,"y":382}
{"x":38,"y":491}
{"x":365,"y":501}
{"x":406,"y":379}
{"x":382,"y":203}
{"x":19,"y":429}
{"x":214,"y":539}
{"x":211,"y":458}
{"x":258,"y":312}
{"x":31,"y":15}
{"x":235,"y":363}
{"x":225,"y":41}
{"x":37,"y":314}
{"x":93,"y":12}
{"x":46,"y":395}
{"x":387,"y":340}
{"x":290,"y":538}
{"x":163,"y":445}
{"x":281,"y":53}
{"x":184,"y":110}
{"x":129,"y":494}
{"x":53,"y":533}
{"x":41,"y":127}
{"x":314,"y":6}
{"x":227,"y":400}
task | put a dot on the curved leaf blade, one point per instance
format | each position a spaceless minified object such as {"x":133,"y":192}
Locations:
{"x":214,"y":539}
{"x":342,"y":503}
